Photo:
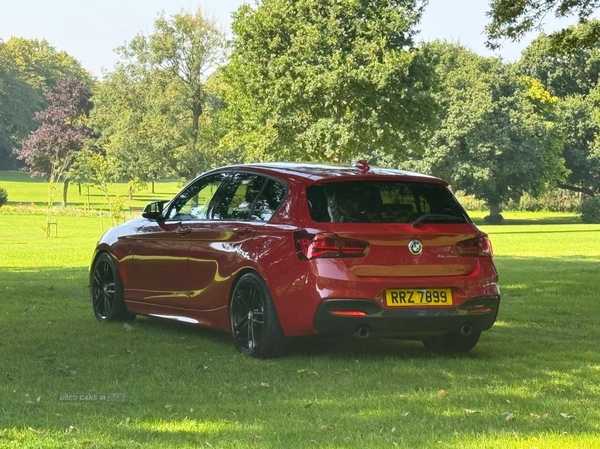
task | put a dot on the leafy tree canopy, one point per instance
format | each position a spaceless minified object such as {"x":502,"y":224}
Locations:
{"x":513,"y":19}
{"x":18,"y":104}
{"x":576,"y":72}
{"x":156,"y":110}
{"x":581,"y":128}
{"x":40,"y":64}
{"x":573,"y":77}
{"x":498,"y":136}
{"x":29,"y":68}
{"x":327,"y":80}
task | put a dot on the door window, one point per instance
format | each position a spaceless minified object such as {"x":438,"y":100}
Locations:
{"x":194,"y":202}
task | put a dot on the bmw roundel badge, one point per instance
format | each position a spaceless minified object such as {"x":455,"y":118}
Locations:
{"x":415,"y":247}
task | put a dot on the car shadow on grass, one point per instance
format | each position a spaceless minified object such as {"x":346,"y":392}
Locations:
{"x":340,"y":347}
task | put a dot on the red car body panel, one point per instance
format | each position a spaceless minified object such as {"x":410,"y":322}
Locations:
{"x":185,"y":270}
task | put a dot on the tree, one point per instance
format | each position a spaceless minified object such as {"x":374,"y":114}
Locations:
{"x":156,"y":109}
{"x":29,"y":68}
{"x":573,"y":78}
{"x":50,"y":150}
{"x":137,"y":135}
{"x":498,"y":136}
{"x":561,"y":74}
{"x":92,"y":166}
{"x":18,"y":104}
{"x":41,"y":65}
{"x":327,"y":80}
{"x":581,"y":150}
{"x":513,"y":19}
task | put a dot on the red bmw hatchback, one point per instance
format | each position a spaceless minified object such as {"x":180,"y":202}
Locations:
{"x":268,"y":251}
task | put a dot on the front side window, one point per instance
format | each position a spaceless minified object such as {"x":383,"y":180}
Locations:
{"x":193,"y":203}
{"x":381,"y":202}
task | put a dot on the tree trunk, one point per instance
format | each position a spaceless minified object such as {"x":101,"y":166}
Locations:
{"x":51,"y":192}
{"x":494,"y":208}
{"x":79,"y":188}
{"x":64,"y":194}
{"x":152,"y":186}
{"x":197,"y":109}
{"x":195,"y":123}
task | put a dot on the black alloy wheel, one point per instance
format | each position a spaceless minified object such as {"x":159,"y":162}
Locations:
{"x":106,"y":290}
{"x":254,"y":324}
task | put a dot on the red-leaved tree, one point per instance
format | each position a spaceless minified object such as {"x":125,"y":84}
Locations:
{"x":49,"y":151}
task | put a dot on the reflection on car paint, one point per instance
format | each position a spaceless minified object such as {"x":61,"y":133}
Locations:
{"x":183,"y":319}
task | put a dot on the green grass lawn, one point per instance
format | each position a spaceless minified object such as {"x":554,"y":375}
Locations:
{"x":528,"y":218}
{"x":533,"y":381}
{"x":23,"y":189}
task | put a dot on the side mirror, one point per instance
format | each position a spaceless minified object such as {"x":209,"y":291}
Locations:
{"x":153,"y":211}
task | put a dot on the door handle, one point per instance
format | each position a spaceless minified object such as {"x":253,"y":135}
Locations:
{"x":184,"y":232}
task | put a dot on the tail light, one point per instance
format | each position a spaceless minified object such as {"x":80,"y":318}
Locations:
{"x":480,"y":246}
{"x":327,"y":244}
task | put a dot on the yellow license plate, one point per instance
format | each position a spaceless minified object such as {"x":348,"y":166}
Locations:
{"x":418,"y":297}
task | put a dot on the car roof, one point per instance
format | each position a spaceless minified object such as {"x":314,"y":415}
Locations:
{"x":325,"y":172}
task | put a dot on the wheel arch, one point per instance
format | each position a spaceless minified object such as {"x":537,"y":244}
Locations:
{"x":270,"y":340}
{"x":97,"y":254}
{"x":238,"y":276}
{"x":107,"y":292}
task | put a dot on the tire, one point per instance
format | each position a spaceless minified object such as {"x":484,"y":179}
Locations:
{"x":453,"y":342}
{"x":254,"y":323}
{"x":106,"y":290}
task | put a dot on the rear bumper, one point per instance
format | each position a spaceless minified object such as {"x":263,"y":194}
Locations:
{"x":409,"y":323}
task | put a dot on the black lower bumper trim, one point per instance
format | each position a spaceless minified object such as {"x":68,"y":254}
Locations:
{"x":480,"y":313}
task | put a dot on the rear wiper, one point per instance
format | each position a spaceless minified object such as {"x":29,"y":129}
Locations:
{"x":443,"y":218}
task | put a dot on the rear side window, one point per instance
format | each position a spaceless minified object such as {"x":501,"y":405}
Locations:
{"x":249,"y":197}
{"x":381,"y":202}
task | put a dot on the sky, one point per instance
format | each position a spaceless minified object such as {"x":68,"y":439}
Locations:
{"x":90,"y":30}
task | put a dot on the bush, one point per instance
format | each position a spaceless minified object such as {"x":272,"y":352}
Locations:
{"x":557,"y":200}
{"x":470,"y":203}
{"x":3,"y":197}
{"x":590,"y":210}
{"x":560,"y":200}
{"x":529,"y":203}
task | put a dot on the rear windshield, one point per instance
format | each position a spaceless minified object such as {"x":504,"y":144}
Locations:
{"x":381,"y":202}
